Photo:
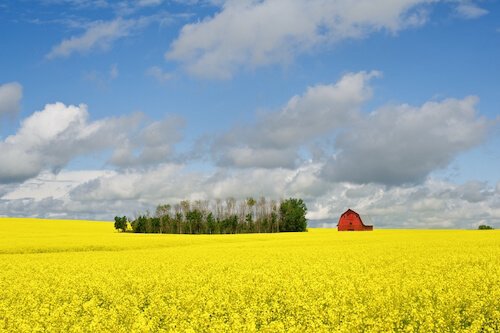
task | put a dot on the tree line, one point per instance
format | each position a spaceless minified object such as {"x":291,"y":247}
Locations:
{"x":485,"y":227}
{"x":220,"y":217}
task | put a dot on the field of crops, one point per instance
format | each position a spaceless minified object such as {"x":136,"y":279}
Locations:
{"x":77,"y":276}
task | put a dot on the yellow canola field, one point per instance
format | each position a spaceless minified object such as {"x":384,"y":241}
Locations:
{"x":80,"y":276}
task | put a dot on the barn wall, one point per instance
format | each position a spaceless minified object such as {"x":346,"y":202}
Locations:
{"x":350,"y":221}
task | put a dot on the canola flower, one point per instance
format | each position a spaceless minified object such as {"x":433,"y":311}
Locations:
{"x":80,"y":276}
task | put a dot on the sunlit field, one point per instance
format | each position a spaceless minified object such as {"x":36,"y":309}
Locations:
{"x":77,"y":276}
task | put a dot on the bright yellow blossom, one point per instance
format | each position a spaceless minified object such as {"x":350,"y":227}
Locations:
{"x":80,"y":276}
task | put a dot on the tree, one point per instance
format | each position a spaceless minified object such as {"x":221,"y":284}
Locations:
{"x":163,"y":214}
{"x":274,"y":222}
{"x":155,"y":224}
{"x":249,"y":223}
{"x":261,"y":214}
{"x":230,"y":206}
{"x":293,"y":215}
{"x":194,"y":219}
{"x":178,"y":218}
{"x":251,"y":204}
{"x":210,"y":223}
{"x":229,"y":217}
{"x":485,"y":227}
{"x":121,"y":223}
{"x":141,"y":224}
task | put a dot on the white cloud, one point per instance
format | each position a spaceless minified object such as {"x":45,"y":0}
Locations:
{"x":174,"y":182}
{"x":250,"y":34}
{"x":169,"y":182}
{"x":474,"y":191}
{"x":49,"y":139}
{"x":469,"y":10}
{"x":403,"y":144}
{"x":393,"y":145}
{"x":381,"y":165}
{"x":104,"y":194}
{"x":153,"y":144}
{"x":319,"y":110}
{"x":10,"y":98}
{"x":432,"y":204}
{"x":157,"y":73}
{"x":276,"y":137}
{"x":246,"y":157}
{"x":57,"y":186}
{"x":161,"y":181}
{"x":100,"y":35}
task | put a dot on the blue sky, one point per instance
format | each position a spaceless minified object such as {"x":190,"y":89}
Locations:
{"x":386,"y":107}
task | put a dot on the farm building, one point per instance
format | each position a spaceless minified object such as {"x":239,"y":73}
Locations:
{"x":351,"y":221}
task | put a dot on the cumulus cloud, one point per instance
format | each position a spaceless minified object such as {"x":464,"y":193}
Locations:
{"x":246,"y":157}
{"x":99,"y":35}
{"x":273,"y":141}
{"x":251,"y":34}
{"x":10,"y":98}
{"x":432,"y":204}
{"x":474,"y":191}
{"x":50,"y":138}
{"x":171,"y":183}
{"x":165,"y":180}
{"x":403,"y":144}
{"x":104,"y":194}
{"x":379,"y":164}
{"x":393,"y":145}
{"x":48,"y":184}
{"x":151,"y":145}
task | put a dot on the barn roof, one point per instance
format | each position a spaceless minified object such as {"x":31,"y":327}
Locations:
{"x":351,"y":211}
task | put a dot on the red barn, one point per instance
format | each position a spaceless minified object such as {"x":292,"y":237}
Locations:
{"x":351,"y":221}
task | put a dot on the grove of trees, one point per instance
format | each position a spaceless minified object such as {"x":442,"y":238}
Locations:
{"x":221,"y":217}
{"x":485,"y":227}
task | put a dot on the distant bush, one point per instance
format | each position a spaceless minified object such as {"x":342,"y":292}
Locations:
{"x":222,"y":217}
{"x":484,"y":227}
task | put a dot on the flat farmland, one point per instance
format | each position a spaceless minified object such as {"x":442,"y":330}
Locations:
{"x":82,"y":276}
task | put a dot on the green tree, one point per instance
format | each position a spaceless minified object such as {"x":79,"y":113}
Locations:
{"x":140,"y":224}
{"x":274,"y":222}
{"x":121,"y":223}
{"x":485,"y":227}
{"x":210,"y":223}
{"x":249,"y":223}
{"x":293,"y":215}
{"x":155,"y":224}
{"x":194,"y":220}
